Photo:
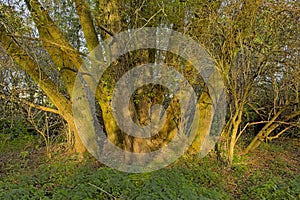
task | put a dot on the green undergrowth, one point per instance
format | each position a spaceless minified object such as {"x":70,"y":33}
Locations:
{"x":74,"y":180}
{"x":14,"y":137}
{"x":264,"y":174}
{"x":272,"y":187}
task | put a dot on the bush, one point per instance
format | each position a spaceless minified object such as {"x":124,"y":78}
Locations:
{"x":14,"y":135}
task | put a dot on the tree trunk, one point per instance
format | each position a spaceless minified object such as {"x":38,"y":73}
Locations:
{"x":202,"y":143}
{"x":233,"y":140}
{"x":260,"y":137}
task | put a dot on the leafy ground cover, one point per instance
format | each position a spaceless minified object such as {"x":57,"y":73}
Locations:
{"x":271,"y":172}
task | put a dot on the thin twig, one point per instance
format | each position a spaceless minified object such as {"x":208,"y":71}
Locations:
{"x":48,"y":42}
{"x":102,"y":190}
{"x":147,"y":22}
{"x":279,"y":134}
{"x":103,"y":28}
{"x":40,"y":107}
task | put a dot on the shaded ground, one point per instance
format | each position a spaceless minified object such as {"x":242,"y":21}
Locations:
{"x":266,"y":170}
{"x":270,"y":172}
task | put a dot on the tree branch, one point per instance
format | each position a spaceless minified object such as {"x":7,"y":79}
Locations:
{"x":21,"y":58}
{"x":279,"y":134}
{"x":86,"y":21}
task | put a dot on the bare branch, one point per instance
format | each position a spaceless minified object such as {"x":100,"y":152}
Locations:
{"x":279,"y":134}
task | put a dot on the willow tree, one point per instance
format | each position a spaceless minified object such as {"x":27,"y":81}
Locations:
{"x":240,"y":36}
{"x":50,"y":28}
